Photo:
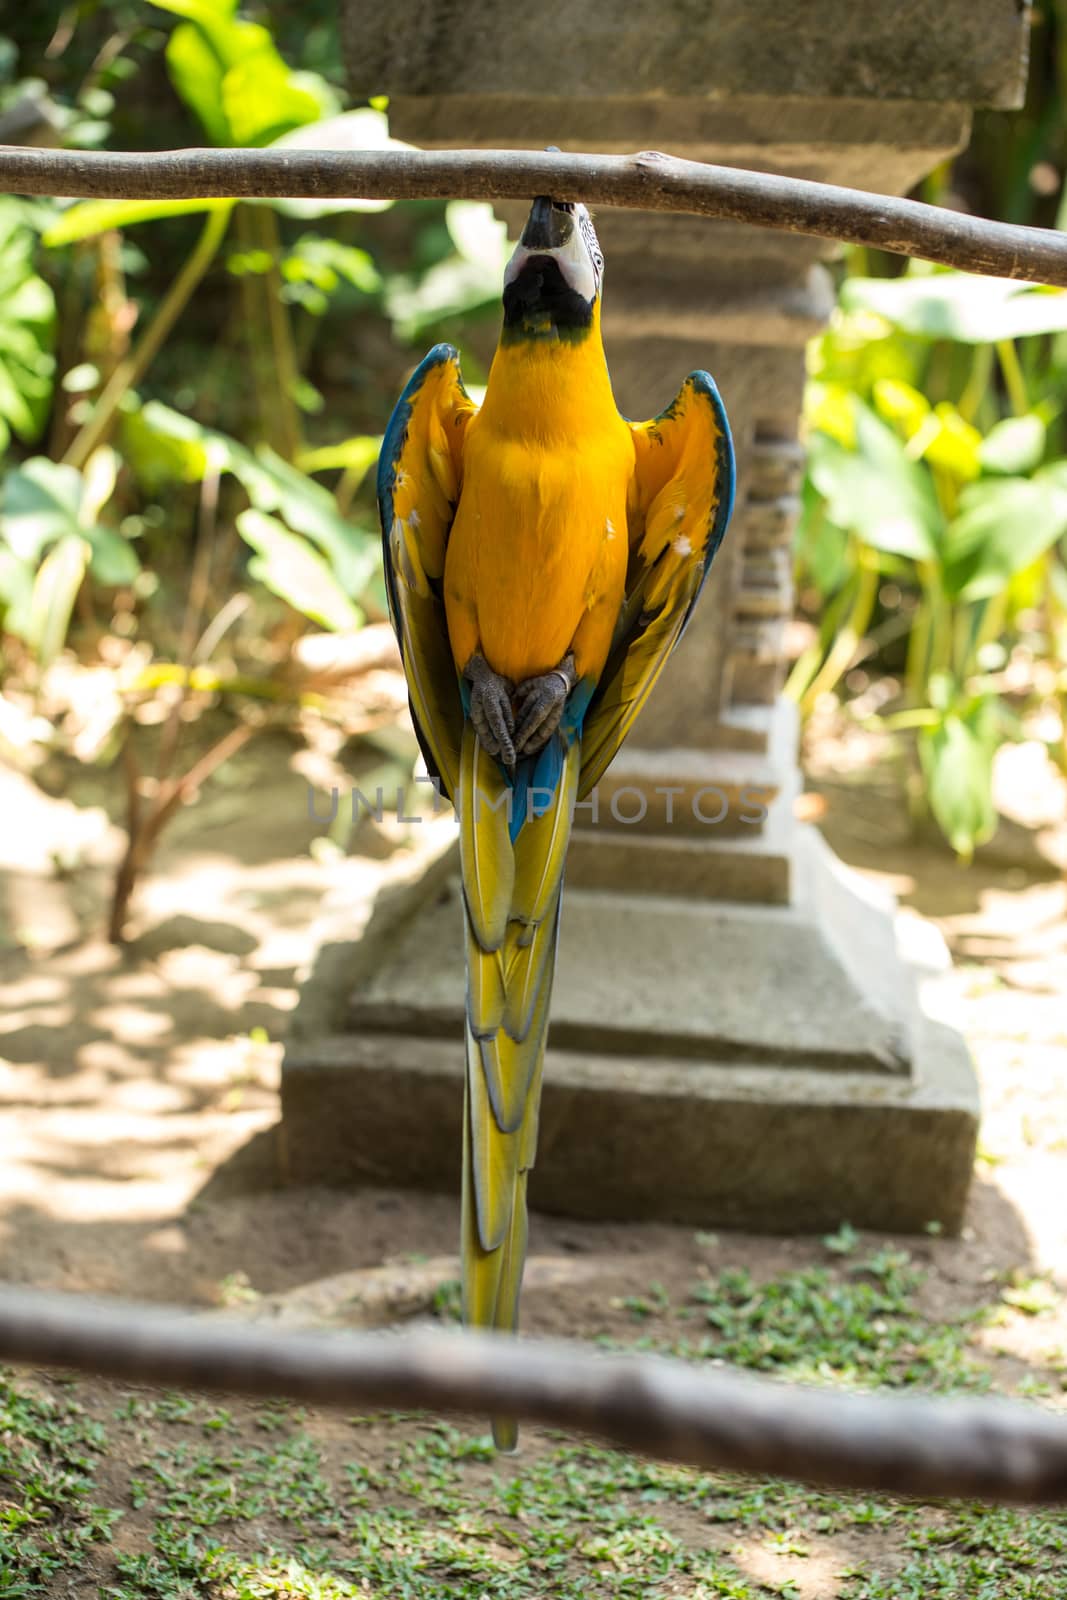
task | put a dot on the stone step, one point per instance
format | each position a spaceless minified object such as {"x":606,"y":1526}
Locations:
{"x":816,"y":984}
{"x":629,"y":1138}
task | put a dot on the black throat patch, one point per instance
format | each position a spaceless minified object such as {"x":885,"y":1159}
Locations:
{"x":540,"y":304}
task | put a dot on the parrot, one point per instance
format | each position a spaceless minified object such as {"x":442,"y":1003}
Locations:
{"x":542,"y":557}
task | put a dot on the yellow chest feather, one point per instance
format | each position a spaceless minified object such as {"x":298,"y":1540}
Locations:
{"x":539,"y":539}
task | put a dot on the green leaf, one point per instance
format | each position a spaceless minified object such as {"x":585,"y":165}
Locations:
{"x":1015,"y":445}
{"x":876,"y":490}
{"x":113,"y":561}
{"x":273,"y":485}
{"x":901,"y":404}
{"x":42,"y":504}
{"x":230,"y":74}
{"x":262,"y":98}
{"x":89,"y":217}
{"x":953,"y":444}
{"x":960,"y":306}
{"x":208,"y":13}
{"x":287,"y":566}
{"x":27,"y":331}
{"x":323,"y":262}
{"x":164,"y":446}
{"x":957,"y":762}
{"x":821,"y":545}
{"x":197,"y":71}
{"x":39,"y":504}
{"x":355,"y":456}
{"x":55,"y":590}
{"x":1002,"y":526}
{"x":16,"y":592}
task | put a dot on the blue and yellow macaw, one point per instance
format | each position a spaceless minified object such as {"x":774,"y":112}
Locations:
{"x":542,"y":556}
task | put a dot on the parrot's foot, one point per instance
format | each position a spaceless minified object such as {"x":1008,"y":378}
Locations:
{"x":539,"y":706}
{"x":491,"y":713}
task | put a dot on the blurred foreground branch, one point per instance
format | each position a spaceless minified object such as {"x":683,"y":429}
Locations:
{"x":989,"y":1449}
{"x":648,"y":181}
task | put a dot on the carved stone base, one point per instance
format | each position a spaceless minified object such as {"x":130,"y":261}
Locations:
{"x":757,"y":1066}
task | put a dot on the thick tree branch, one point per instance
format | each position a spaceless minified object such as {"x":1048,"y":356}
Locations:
{"x":645,"y":182}
{"x":989,"y":1449}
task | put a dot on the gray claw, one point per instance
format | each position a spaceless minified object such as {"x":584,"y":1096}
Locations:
{"x":539,"y":704}
{"x":491,"y":713}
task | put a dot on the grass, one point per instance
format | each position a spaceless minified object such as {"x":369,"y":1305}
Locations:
{"x":250,"y":1501}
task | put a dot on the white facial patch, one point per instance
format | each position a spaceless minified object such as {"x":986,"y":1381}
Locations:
{"x":576,"y":263}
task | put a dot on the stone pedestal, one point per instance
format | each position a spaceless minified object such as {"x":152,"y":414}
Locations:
{"x":765,"y":1066}
{"x":726,"y":996}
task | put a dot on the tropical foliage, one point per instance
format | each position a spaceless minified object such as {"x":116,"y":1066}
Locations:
{"x":935,"y":509}
{"x":182,"y":491}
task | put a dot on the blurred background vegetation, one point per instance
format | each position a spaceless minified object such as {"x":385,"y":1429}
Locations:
{"x":192,"y":396}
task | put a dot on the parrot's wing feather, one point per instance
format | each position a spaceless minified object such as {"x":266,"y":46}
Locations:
{"x":419,"y":476}
{"x":679,"y":505}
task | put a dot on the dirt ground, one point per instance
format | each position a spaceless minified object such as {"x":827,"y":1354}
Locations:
{"x":139,"y":1095}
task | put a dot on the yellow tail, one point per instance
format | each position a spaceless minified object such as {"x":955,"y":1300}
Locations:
{"x":512,"y":893}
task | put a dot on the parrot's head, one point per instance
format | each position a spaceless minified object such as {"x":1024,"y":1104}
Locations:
{"x":552,"y":282}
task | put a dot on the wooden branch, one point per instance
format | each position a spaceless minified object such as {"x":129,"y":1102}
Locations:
{"x":988,"y":1449}
{"x":645,"y":182}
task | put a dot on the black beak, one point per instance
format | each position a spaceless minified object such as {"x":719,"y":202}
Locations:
{"x":548,"y":227}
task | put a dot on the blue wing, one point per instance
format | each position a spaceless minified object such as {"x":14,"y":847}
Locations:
{"x":420,"y":472}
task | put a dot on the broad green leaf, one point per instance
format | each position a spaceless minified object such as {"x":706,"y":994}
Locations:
{"x":957,"y":762}
{"x":954,"y":445}
{"x":164,"y":446}
{"x":900,"y":404}
{"x":223,"y":32}
{"x":99,"y":476}
{"x":287,"y":566}
{"x":229,"y":72}
{"x":16,"y":592}
{"x":273,"y":485}
{"x":196,"y":71}
{"x":27,"y":331}
{"x":958,"y":305}
{"x":828,"y":409}
{"x":323,"y":262}
{"x":1003,"y":524}
{"x":88,"y":217}
{"x":46,"y":503}
{"x":55,"y":589}
{"x":465,"y":282}
{"x":858,"y":349}
{"x":364,"y":129}
{"x":39,"y":503}
{"x":1015,"y":445}
{"x":821,"y":545}
{"x":876,"y":490}
{"x":208,"y":13}
{"x":262,"y":99}
{"x":113,"y":560}
{"x":356,"y":456}
{"x":452,"y":288}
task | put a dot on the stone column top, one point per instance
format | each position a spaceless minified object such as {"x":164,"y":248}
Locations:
{"x":921,"y":50}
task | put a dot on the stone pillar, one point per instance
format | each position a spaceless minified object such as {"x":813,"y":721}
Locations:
{"x":752,"y":950}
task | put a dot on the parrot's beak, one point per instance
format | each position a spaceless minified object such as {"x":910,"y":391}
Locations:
{"x":548,"y":227}
{"x":553,"y":279}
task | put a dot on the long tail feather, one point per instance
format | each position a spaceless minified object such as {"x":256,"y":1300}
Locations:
{"x":512,"y":909}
